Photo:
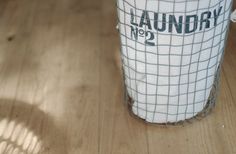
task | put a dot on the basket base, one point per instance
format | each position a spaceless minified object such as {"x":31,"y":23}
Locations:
{"x":207,"y":109}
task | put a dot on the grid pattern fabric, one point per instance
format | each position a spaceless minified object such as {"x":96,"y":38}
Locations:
{"x":171,"y":53}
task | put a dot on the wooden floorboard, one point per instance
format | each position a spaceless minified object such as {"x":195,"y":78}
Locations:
{"x":61,"y":89}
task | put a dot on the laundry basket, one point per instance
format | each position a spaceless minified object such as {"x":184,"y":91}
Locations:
{"x":171,"y":53}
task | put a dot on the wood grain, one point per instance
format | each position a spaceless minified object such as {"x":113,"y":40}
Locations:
{"x":61,"y":89}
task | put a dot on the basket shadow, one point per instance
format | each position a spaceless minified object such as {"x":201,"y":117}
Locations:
{"x":25,"y":129}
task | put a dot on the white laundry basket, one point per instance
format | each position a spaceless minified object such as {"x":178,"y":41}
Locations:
{"x":171,"y":53}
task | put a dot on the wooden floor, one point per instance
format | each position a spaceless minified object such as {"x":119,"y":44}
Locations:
{"x":61,"y":87}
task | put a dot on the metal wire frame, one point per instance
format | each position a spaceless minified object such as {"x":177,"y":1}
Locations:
{"x":127,"y":67}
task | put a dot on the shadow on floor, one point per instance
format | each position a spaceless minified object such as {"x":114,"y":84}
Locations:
{"x":25,"y":129}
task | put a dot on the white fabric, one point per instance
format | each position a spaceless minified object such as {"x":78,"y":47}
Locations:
{"x":171,"y":76}
{"x":233,"y":16}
